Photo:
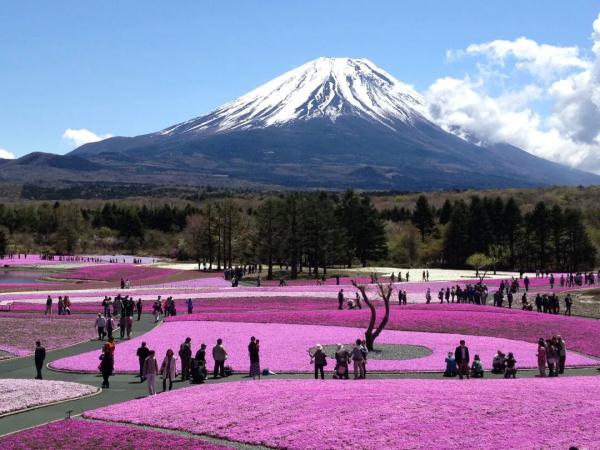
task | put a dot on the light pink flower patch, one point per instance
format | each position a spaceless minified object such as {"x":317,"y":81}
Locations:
{"x":410,"y":413}
{"x":284,"y":347}
{"x":18,"y":394}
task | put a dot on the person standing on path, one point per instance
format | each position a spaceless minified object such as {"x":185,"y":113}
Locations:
{"x":219,"y":355}
{"x":138,"y":308}
{"x":107,"y":363}
{"x":39,"y":357}
{"x":358,"y":360}
{"x":341,"y":299}
{"x":168,"y":369}
{"x":562,"y":354}
{"x":190,"y":305}
{"x":253,"y":351}
{"x":320,"y":360}
{"x":185,"y":354}
{"x":150,"y":372}
{"x":48,"y":310}
{"x":541,"y":357}
{"x":461,"y":356}
{"x":100,"y":324}
{"x":142,"y":353}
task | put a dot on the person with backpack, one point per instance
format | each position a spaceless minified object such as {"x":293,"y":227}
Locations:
{"x":342,"y":359}
{"x":185,"y":354}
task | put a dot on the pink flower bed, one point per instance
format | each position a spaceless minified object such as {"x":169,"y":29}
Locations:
{"x":85,"y":434}
{"x":18,"y":394}
{"x":424,"y":414}
{"x":18,"y":332}
{"x":114,"y":272}
{"x":284,"y":347}
{"x":581,"y":334}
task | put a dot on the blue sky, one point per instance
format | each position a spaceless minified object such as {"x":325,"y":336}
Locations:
{"x":126,"y":68}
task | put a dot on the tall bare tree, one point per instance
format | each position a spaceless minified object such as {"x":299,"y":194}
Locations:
{"x":385,"y":293}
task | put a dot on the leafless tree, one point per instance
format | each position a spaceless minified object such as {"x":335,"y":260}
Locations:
{"x":385,"y":293}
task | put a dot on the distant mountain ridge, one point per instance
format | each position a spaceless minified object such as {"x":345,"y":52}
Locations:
{"x":330,"y":123}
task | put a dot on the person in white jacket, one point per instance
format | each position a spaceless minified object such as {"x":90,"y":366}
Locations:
{"x":168,"y":369}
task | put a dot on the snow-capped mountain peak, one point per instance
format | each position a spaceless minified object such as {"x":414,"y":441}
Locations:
{"x":322,"y":88}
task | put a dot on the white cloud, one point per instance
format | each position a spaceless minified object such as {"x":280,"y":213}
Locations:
{"x":83,"y":136}
{"x":541,"y":60}
{"x":570,"y":84}
{"x":5,"y":154}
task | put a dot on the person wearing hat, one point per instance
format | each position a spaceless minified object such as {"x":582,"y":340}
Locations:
{"x":320,"y":361}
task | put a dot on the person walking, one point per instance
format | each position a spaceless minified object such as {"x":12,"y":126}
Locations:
{"x":320,"y":361}
{"x":185,"y":354}
{"x":461,"y":356}
{"x":150,"y":371}
{"x":219,"y":355}
{"x":190,"y":306}
{"x":39,"y":357}
{"x":168,"y":369}
{"x":100,"y":324}
{"x":142,"y":353}
{"x":341,"y":299}
{"x":254,"y":354}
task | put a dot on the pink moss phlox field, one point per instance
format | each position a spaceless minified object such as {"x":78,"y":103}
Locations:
{"x":409,"y":413}
{"x":581,"y":334}
{"x":85,"y":434}
{"x":18,"y":332}
{"x":19,"y":394}
{"x":284,"y":347}
{"x":114,"y":272}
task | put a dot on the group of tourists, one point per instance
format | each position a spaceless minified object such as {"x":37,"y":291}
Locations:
{"x":553,"y":354}
{"x":166,"y":308}
{"x":343,"y":357}
{"x":457,"y":363}
{"x":125,"y":284}
{"x":64,"y":306}
{"x":192,"y":367}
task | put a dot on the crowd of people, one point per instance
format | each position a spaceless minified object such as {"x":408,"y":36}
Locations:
{"x":191,"y":367}
{"x":458,"y":363}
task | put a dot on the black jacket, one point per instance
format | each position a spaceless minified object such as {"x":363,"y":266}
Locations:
{"x":458,"y":355}
{"x":40,"y":354}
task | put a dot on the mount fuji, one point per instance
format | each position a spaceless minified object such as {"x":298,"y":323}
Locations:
{"x":329,"y":123}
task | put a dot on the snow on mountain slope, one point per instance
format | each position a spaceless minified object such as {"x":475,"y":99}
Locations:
{"x":324,"y":87}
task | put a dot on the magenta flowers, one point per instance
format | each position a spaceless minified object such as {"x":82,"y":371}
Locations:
{"x":427,"y":414}
{"x":83,"y":434}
